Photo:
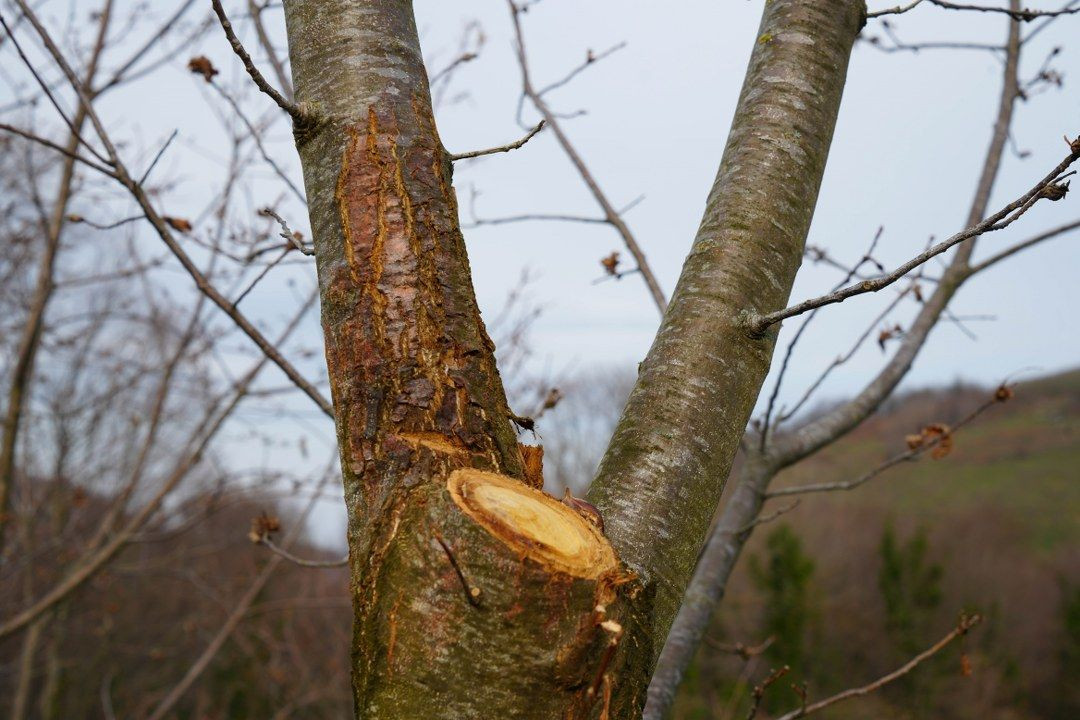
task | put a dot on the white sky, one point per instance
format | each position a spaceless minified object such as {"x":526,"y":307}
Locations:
{"x":908,"y":148}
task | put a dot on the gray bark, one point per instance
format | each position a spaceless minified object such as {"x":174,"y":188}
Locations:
{"x":737,"y":518}
{"x":659,"y":483}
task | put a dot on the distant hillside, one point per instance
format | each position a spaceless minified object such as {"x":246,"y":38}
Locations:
{"x":1000,"y":517}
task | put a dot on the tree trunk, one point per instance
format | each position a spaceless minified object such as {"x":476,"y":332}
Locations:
{"x":735,"y":525}
{"x":475,"y":594}
{"x":659,"y":483}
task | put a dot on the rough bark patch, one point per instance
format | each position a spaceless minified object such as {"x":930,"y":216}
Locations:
{"x":533,"y":523}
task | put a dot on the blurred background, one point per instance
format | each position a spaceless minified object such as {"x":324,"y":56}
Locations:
{"x":154,"y":443}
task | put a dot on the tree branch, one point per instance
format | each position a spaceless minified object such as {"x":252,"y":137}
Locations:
{"x":1048,"y":187}
{"x":1022,"y":14}
{"x":1009,"y":252}
{"x":269,"y":544}
{"x":1000,"y":395}
{"x":966,"y":623}
{"x":610,"y":213}
{"x":298,"y":116}
{"x":501,"y":148}
{"x":659,"y":483}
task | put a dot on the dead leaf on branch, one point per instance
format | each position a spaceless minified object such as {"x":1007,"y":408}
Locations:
{"x":938,"y":434}
{"x":888,"y":334}
{"x":262,"y":526}
{"x":201,"y":65}
{"x":611,"y":263}
{"x":177,"y":224}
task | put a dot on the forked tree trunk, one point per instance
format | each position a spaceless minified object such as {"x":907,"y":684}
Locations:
{"x":475,"y":594}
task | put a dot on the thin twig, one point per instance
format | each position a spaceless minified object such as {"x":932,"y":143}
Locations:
{"x":610,"y":213}
{"x":741,"y":649}
{"x":257,"y":139}
{"x":994,"y":259}
{"x":1000,"y":395}
{"x":157,"y":157}
{"x":43,"y":85}
{"x":998,"y":221}
{"x":786,"y":414}
{"x":762,"y":687}
{"x":472,"y":593}
{"x":53,"y":146}
{"x":591,"y":58}
{"x":292,"y":108}
{"x":282,"y":552}
{"x":255,"y":11}
{"x":1022,"y":14}
{"x":966,"y":623}
{"x":501,"y":148}
{"x":762,"y":519}
{"x":287,"y":233}
{"x":895,"y":10}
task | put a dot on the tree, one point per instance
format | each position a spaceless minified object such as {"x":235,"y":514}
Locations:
{"x":784,"y":578}
{"x":475,"y":594}
{"x":428,"y":450}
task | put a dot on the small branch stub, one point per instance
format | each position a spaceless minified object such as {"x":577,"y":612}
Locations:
{"x":533,"y":523}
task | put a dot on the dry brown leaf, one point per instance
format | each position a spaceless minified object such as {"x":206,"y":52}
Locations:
{"x":178,"y":224}
{"x":611,"y":263}
{"x":201,"y":65}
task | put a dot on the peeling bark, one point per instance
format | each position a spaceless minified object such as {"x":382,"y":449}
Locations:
{"x":469,"y":596}
{"x":454,"y":617}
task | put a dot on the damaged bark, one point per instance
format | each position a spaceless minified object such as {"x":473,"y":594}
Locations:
{"x":475,"y":594}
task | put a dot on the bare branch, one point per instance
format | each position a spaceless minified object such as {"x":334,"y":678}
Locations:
{"x":257,"y":139}
{"x":283,"y":553}
{"x":1048,"y":187}
{"x":966,"y":623}
{"x":1000,"y":395}
{"x":1022,"y":14}
{"x":840,"y":360}
{"x":157,"y":157}
{"x":292,"y":108}
{"x":255,"y":10}
{"x":762,"y":519}
{"x":895,"y":10}
{"x":287,"y":233}
{"x":53,"y":146}
{"x":501,"y":148}
{"x":1008,"y":252}
{"x":610,"y":213}
{"x":762,"y":687}
{"x":591,"y":58}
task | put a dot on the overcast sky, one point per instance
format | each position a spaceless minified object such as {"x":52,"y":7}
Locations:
{"x":908,"y":148}
{"x":909,"y":144}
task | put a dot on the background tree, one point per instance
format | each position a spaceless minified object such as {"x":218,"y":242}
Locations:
{"x":443,"y":501}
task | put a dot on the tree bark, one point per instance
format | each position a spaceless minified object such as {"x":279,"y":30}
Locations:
{"x":735,"y":525}
{"x":659,"y":483}
{"x":475,"y":594}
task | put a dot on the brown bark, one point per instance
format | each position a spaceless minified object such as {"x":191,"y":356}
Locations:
{"x":469,"y":599}
{"x":462,"y":607}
